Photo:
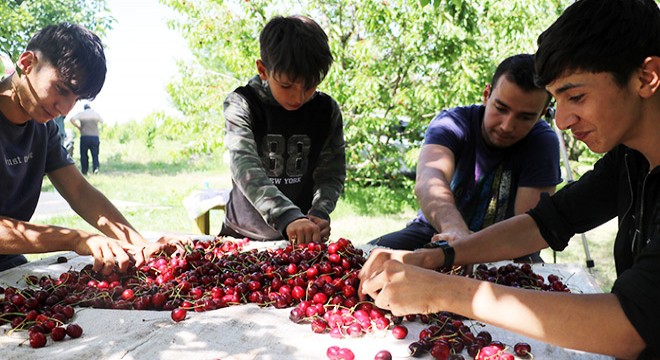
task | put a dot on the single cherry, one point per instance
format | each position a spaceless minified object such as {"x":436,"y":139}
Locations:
{"x":399,"y":332}
{"x":383,"y":355}
{"x":74,"y":330}
{"x":178,"y":314}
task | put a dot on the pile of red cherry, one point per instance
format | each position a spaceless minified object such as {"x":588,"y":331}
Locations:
{"x":446,"y":337}
{"x":209,"y":276}
{"x":318,"y":280}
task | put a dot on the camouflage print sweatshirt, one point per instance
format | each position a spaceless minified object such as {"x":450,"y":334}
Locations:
{"x":284,"y":164}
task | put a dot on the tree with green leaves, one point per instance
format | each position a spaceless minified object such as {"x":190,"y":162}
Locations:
{"x":20,"y":19}
{"x":397,"y":63}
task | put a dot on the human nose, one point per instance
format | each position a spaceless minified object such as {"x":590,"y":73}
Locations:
{"x":563,"y":119}
{"x":508,"y":123}
{"x":300,"y":95}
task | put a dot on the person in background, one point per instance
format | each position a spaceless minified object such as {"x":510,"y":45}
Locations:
{"x":88,"y":121}
{"x":59,"y":120}
{"x":482,"y":164}
{"x":601,"y":62}
{"x":62,"y":64}
{"x":285,"y":139}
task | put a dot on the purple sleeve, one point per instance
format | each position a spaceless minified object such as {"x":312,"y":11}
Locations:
{"x":447,"y":129}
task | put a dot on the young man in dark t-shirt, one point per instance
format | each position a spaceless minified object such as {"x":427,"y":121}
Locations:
{"x":62,"y":64}
{"x":601,"y":62}
{"x":482,"y":164}
{"x":285,"y":139}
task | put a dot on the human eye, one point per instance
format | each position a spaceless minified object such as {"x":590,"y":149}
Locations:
{"x":575,"y":98}
{"x":501,"y":109}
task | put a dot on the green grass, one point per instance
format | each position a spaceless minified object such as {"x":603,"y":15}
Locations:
{"x":154,"y":183}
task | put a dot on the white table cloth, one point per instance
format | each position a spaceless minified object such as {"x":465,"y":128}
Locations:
{"x":242,"y":332}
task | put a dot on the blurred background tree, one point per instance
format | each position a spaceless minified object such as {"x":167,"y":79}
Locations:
{"x":397,"y":64}
{"x":20,"y":19}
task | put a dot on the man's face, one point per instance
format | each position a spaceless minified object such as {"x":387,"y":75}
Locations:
{"x":510,"y":113}
{"x":597,"y":110}
{"x":290,"y":94}
{"x":41,"y":92}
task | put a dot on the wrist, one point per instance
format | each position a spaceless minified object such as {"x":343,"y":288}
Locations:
{"x":427,"y":258}
{"x":447,"y":250}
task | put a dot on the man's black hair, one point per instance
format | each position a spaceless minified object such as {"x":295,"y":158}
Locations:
{"x":519,"y":69}
{"x":297,"y":47}
{"x":612,"y":36}
{"x":76,"y":53}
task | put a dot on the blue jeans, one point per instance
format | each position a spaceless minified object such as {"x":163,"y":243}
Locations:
{"x":91,"y":144}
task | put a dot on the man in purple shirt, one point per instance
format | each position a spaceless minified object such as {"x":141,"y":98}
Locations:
{"x":482,"y":164}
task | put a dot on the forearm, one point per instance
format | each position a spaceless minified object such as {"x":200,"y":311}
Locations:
{"x":20,"y":237}
{"x":98,"y":211}
{"x":438,"y":206}
{"x":508,"y":239}
{"x":588,"y":322}
{"x":105,"y":217}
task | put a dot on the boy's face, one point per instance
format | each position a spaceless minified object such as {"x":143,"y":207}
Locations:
{"x":597,"y":110}
{"x":290,"y":94}
{"x":510,"y":113}
{"x":41,"y":93}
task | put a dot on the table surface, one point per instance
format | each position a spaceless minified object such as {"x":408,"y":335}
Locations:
{"x":236,"y":332}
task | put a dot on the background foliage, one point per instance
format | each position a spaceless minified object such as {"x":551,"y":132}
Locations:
{"x":397,"y":63}
{"x":20,"y":19}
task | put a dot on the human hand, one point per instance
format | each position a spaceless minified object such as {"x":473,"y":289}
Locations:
{"x":303,"y":231}
{"x":450,"y":236}
{"x":404,"y":289}
{"x":375,"y":264}
{"x":107,"y":252}
{"x":169,"y":244}
{"x":324,"y":226}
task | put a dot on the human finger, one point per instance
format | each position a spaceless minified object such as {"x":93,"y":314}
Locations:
{"x":325,"y":233}
{"x":372,"y":266}
{"x":315,"y":235}
{"x":377,"y":282}
{"x":96,"y":252}
{"x":108,"y":260}
{"x":121,"y":257}
{"x":140,"y":255}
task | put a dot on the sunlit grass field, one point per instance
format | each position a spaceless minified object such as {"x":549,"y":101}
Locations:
{"x":149,"y":185}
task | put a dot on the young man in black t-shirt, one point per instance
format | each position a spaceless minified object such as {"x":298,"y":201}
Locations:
{"x":601,"y":62}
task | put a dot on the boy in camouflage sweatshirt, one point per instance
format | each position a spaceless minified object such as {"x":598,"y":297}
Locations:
{"x":285,"y":139}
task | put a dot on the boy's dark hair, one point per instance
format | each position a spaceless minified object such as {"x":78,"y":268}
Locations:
{"x":297,"y":47}
{"x":612,"y":36}
{"x":76,"y":53}
{"x":519,"y":69}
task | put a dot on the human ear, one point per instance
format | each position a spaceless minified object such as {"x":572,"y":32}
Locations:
{"x":486,"y":93}
{"x":261,"y":69}
{"x":26,"y":62}
{"x":649,"y":76}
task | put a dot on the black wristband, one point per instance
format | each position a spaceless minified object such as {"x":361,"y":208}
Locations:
{"x":447,"y":250}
